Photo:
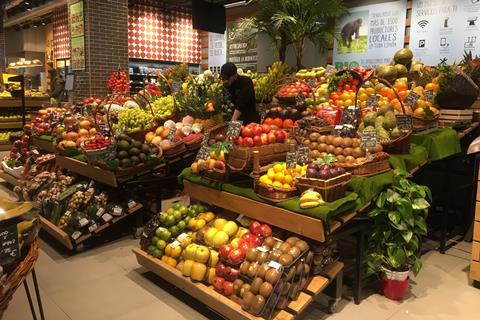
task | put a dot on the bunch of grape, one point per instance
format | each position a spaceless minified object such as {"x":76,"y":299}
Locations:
{"x":132,"y":119}
{"x":163,"y":107}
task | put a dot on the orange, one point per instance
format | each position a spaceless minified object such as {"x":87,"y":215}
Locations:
{"x":429,"y":86}
{"x":345,"y":96}
{"x":288,"y":179}
{"x":348,"y":102}
{"x":370,"y":90}
{"x":278,"y":122}
{"x":279,"y":176}
{"x":391,"y":94}
{"x":436,"y":87}
{"x":287,"y":123}
{"x":403,"y":94}
{"x":363,"y":97}
{"x":384,"y":91}
{"x":400,"y":86}
{"x":339,"y":103}
{"x":268,"y":121}
{"x":420,"y":104}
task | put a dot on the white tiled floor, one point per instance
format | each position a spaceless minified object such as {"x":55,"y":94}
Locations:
{"x":107,"y":283}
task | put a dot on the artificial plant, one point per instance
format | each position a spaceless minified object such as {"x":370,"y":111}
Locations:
{"x":399,"y":224}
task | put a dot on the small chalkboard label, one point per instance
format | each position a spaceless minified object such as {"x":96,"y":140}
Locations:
{"x":411,"y":99}
{"x":372,"y":100}
{"x":300,"y":98}
{"x":9,"y":249}
{"x":428,"y":94}
{"x":203,"y":153}
{"x":176,"y":86}
{"x":206,"y":137}
{"x":368,"y":139}
{"x":302,"y":154}
{"x":291,"y":159}
{"x":311,"y":83}
{"x":171,"y":134}
{"x":262,"y":110}
{"x":111,"y":150}
{"x":234,"y":128}
{"x":404,"y":121}
{"x":330,"y":68}
{"x":350,"y":116}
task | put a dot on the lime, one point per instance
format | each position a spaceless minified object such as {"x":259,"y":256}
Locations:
{"x":163,"y":217}
{"x":170,"y":221}
{"x":191,"y":212}
{"x":157,"y":253}
{"x":151,"y":249}
{"x":183,"y":210}
{"x":170,"y":211}
{"x":181,"y":224}
{"x":173,"y":230}
{"x":177,"y":206}
{"x":177,"y":214}
{"x":161,"y":244}
{"x":155,"y":239}
{"x":186,"y":220}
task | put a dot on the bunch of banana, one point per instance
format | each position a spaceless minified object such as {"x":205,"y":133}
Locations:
{"x":310,"y":199}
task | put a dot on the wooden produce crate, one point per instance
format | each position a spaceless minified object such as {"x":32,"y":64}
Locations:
{"x":475,"y":262}
{"x":288,"y":220}
{"x":70,"y":243}
{"x":9,"y":178}
{"x":43,"y":144}
{"x":223,"y":305}
{"x":241,"y":158}
{"x":96,"y":173}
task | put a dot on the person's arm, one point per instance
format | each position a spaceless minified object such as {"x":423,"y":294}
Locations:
{"x":236,"y":115}
{"x":243,"y":100}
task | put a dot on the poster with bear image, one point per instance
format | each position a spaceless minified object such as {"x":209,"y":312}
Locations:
{"x":369,"y":35}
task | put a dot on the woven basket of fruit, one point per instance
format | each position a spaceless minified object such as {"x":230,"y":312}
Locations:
{"x":175,"y":149}
{"x":375,"y":164}
{"x":193,"y":141}
{"x":274,"y":194}
{"x":95,"y":149}
{"x":215,"y":174}
{"x":400,"y":145}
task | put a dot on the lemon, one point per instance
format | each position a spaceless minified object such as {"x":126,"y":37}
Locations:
{"x":287,"y":186}
{"x":268,"y":181}
{"x":277,"y":168}
{"x":279,"y":176}
{"x":278,"y":184}
{"x":271,"y":173}
{"x":288,"y":179}
{"x":263,"y":178}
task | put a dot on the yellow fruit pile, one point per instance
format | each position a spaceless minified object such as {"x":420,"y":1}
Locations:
{"x":282,"y":177}
{"x":200,"y":221}
{"x":310,"y":199}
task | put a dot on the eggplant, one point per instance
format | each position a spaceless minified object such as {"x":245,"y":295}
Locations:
{"x":294,"y":114}
{"x":312,"y":173}
{"x":284,"y":114}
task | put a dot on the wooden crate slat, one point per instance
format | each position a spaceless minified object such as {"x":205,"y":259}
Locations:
{"x":476,"y":231}
{"x":297,"y":306}
{"x":316,"y":285}
{"x":304,"y":225}
{"x":333,"y":269}
{"x":43,"y":144}
{"x":56,"y":232}
{"x":96,"y":173}
{"x":477,"y":211}
{"x":476,"y":251}
{"x":475,"y":270}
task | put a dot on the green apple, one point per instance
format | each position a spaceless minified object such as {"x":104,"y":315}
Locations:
{"x":234,"y":242}
{"x":170,"y":221}
{"x":219,"y":223}
{"x":230,"y":228}
{"x":202,"y":254}
{"x":163,"y":217}
{"x":155,"y":239}
{"x":183,"y":210}
{"x":208,"y":236}
{"x":170,"y":211}
{"x":187,"y":268}
{"x":151,"y":249}
{"x":220,"y":238}
{"x":165,"y":234}
{"x":177,"y":214}
{"x":190,"y":251}
{"x":161,"y":244}
{"x":157,"y":253}
{"x":241,"y":231}
{"x":177,"y":206}
{"x":173,"y":230}
{"x":181,"y":224}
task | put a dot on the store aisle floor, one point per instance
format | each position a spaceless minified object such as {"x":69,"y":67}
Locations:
{"x":107,"y":283}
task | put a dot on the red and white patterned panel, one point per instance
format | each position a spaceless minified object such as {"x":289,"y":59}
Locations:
{"x":61,"y":37}
{"x":158,"y":34}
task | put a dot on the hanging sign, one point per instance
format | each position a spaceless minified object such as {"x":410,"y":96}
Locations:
{"x":404,"y":121}
{"x":9,"y":249}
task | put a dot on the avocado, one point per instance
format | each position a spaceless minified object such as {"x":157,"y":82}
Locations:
{"x":115,"y":162}
{"x":134,"y":151}
{"x":123,"y":154}
{"x":123,"y":145}
{"x":135,"y":160}
{"x":136,"y":144}
{"x":143,"y":157}
{"x":124,"y":137}
{"x":126,"y":163}
{"x":146,"y":149}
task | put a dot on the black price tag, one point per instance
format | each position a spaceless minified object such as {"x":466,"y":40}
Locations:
{"x":203,"y":153}
{"x":411,"y":99}
{"x":233,"y":129}
{"x":350,"y":116}
{"x":171,"y":134}
{"x":368,"y":139}
{"x":206,"y":137}
{"x":291,"y":159}
{"x":428,"y":94}
{"x":9,"y":249}
{"x":176,"y":86}
{"x":404,"y":121}
{"x":372,"y":100}
{"x":302,"y":154}
{"x":111,"y":150}
{"x":262,"y":111}
{"x":300,"y":98}
{"x":311,"y":83}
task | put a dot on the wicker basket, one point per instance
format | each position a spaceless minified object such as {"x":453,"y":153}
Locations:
{"x":331,"y":189}
{"x":376,"y":164}
{"x":241,"y":158}
{"x":177,"y":149}
{"x":215,"y":175}
{"x":194,"y":144}
{"x":400,"y":145}
{"x":274,"y":194}
{"x":18,"y":275}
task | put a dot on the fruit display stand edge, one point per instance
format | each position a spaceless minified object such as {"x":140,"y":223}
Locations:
{"x":70,"y":243}
{"x":223,"y":305}
{"x":43,"y":144}
{"x":288,"y":220}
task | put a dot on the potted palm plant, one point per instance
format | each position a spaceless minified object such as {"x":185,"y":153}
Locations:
{"x":399,"y":224}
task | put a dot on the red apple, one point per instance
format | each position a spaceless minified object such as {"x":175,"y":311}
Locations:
{"x":224,"y":250}
{"x":247,"y":132}
{"x":243,"y":247}
{"x":248,"y":142}
{"x":280,"y":136}
{"x":218,"y":284}
{"x":256,"y":241}
{"x":265,"y":230}
{"x":255,"y":227}
{"x":271,"y":138}
{"x":236,"y":256}
{"x":257,"y":130}
{"x":257,"y":141}
{"x":231,"y":274}
{"x":220,"y":165}
{"x":240,"y":141}
{"x":264,"y":138}
{"x":220,"y":270}
{"x":227,"y":288}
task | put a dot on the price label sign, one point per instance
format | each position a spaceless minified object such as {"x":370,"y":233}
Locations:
{"x":300,"y":98}
{"x":411,"y":99}
{"x":206,"y":137}
{"x":330,"y":69}
{"x":404,"y":121}
{"x":291,"y":159}
{"x":428,"y":94}
{"x":372,"y":100}
{"x":233,"y":129}
{"x":368,"y":139}
{"x":312,"y":83}
{"x":203,"y":153}
{"x":9,"y":249}
{"x":350,"y":116}
{"x":302,"y":154}
{"x":171,"y":134}
{"x":176,"y":86}
{"x":262,"y":110}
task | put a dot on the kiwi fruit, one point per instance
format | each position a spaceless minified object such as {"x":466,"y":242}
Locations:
{"x":322,"y":147}
{"x":329,"y":139}
{"x":282,"y":303}
{"x":340,"y":158}
{"x":306,"y":142}
{"x":323,"y":154}
{"x":302,"y":245}
{"x":322,"y":139}
{"x":314,"y":136}
{"x":355,"y":142}
{"x":262,"y":257}
{"x":257,"y":304}
{"x":338,"y":151}
{"x":255,"y":286}
{"x":262,"y":270}
{"x":314,"y":154}
{"x":349,"y":159}
{"x":337,"y":141}
{"x":294,"y":252}
{"x":299,"y":268}
{"x":314,"y":146}
{"x":244,"y":267}
{"x":272,"y":276}
{"x":285,"y":247}
{"x":285,"y":259}
{"x":285,"y":287}
{"x":266,"y":289}
{"x":292,"y":240}
{"x":357,"y":152}
{"x":244,"y":289}
{"x":309,"y":257}
{"x":252,"y":270}
{"x":269,"y":242}
{"x":347,"y":152}
{"x":306,"y":269}
{"x":330,"y":149}
{"x":237,"y":285}
{"x":274,"y":255}
{"x":247,"y":300}
{"x":251,"y":255}
{"x":277,"y":245}
{"x":290,"y":274}
{"x":347,"y":142}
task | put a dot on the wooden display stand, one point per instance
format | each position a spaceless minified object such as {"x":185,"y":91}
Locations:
{"x":43,"y":144}
{"x":297,"y":223}
{"x":70,"y":243}
{"x":223,"y":305}
{"x":475,"y":263}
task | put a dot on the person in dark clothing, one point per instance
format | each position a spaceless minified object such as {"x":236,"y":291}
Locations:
{"x":57,"y":86}
{"x":242,"y":94}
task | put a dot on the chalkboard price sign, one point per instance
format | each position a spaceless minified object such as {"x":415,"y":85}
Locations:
{"x":9,"y":249}
{"x":404,"y":121}
{"x":233,"y":129}
{"x":372,"y":100}
{"x":411,"y":99}
{"x":291,"y":159}
{"x":302,"y":154}
{"x":368,"y":139}
{"x":203,"y":153}
{"x":176,"y":86}
{"x":206,"y":137}
{"x":171,"y":134}
{"x":300,"y":98}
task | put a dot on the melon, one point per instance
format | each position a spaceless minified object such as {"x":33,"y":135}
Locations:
{"x":387,"y":72}
{"x":401,"y":70}
{"x":403,"y":56}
